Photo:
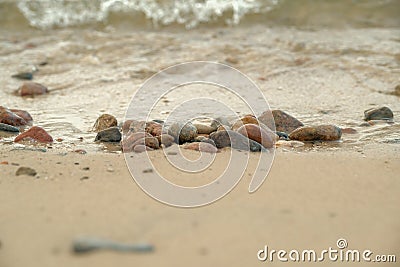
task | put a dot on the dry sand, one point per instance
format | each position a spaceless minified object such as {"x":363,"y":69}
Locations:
{"x":308,"y":201}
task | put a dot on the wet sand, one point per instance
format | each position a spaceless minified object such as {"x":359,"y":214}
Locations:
{"x":308,"y":201}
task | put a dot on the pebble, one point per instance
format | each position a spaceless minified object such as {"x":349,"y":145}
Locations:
{"x":127,"y":142}
{"x":35,"y":133}
{"x":204,"y":128}
{"x":8,"y":128}
{"x":141,"y":148}
{"x":25,"y":171}
{"x":201,"y":146}
{"x":80,"y":151}
{"x":105,"y":121}
{"x":256,"y":133}
{"x":382,"y":113}
{"x":166,"y":140}
{"x":32,"y":89}
{"x":316,"y":133}
{"x":220,"y":121}
{"x":23,"y":76}
{"x":235,"y":140}
{"x":183,"y":132}
{"x":10,"y":118}
{"x":283,"y":121}
{"x":151,"y":142}
{"x":89,"y":244}
{"x":223,"y":128}
{"x":154,"y":128}
{"x":109,"y":135}
{"x":248,"y":119}
{"x":126,"y":125}
{"x":23,"y":114}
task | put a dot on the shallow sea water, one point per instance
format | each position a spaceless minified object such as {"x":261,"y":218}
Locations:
{"x":320,"y":73}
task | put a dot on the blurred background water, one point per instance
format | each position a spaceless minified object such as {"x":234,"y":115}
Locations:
{"x":193,"y":13}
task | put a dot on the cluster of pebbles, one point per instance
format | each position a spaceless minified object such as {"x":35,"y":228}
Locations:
{"x":272,"y":128}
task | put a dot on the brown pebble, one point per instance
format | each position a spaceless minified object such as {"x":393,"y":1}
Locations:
{"x":35,"y":133}
{"x":10,"y":118}
{"x":283,"y":121}
{"x":316,"y":133}
{"x":166,"y":140}
{"x":103,"y":122}
{"x":32,"y":89}
{"x":128,"y":141}
{"x":256,"y":133}
{"x":248,"y":119}
{"x":148,"y":141}
{"x":23,"y":114}
{"x":80,"y":151}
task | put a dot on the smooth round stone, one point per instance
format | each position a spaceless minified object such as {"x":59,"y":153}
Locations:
{"x":166,"y":140}
{"x":382,"y":113}
{"x":32,"y":89}
{"x":201,"y":146}
{"x":105,"y":121}
{"x":8,"y":128}
{"x":256,"y":133}
{"x":10,"y":118}
{"x":141,"y":148}
{"x":248,"y":119}
{"x":235,"y":140}
{"x":35,"y":133}
{"x":129,"y":140}
{"x":147,"y":141}
{"x":183,"y":132}
{"x":283,"y":121}
{"x":109,"y":135}
{"x":316,"y":133}
{"x":23,"y":114}
{"x":204,"y":128}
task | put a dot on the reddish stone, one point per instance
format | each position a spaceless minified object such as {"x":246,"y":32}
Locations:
{"x":125,"y":126}
{"x":153,"y":128}
{"x":10,"y":118}
{"x":248,"y":119}
{"x":256,"y":133}
{"x":35,"y":133}
{"x":23,"y":114}
{"x":127,"y":142}
{"x":32,"y":89}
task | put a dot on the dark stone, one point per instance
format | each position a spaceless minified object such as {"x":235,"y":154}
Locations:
{"x":183,"y":132}
{"x":283,"y":121}
{"x":382,"y":113}
{"x":25,"y":171}
{"x":8,"y":128}
{"x":109,"y":135}
{"x":23,"y":76}
{"x":235,"y":140}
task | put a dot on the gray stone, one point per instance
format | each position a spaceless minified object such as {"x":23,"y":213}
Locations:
{"x":382,"y":113}
{"x":183,"y":132}
{"x":8,"y":128}
{"x":235,"y":140}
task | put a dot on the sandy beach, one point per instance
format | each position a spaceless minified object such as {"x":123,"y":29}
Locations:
{"x":308,"y":202}
{"x":321,"y":63}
